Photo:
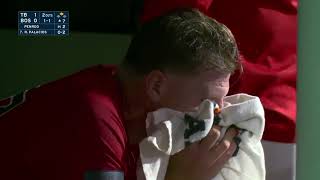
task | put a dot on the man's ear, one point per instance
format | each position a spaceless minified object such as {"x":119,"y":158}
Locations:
{"x":156,"y":85}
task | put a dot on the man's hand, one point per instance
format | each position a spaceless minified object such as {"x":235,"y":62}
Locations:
{"x":204,"y":159}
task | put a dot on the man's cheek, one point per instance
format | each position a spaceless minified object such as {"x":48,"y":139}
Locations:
{"x":190,"y":105}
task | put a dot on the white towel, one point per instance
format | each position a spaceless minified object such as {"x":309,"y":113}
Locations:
{"x":169,"y":132}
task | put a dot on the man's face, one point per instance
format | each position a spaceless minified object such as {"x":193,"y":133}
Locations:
{"x":185,"y":92}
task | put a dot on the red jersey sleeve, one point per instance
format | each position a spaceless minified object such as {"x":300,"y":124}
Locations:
{"x":65,"y":129}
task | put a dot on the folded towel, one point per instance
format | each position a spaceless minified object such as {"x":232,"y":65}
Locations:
{"x":170,"y":131}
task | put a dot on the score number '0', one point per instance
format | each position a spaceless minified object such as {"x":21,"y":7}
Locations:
{"x":28,"y":20}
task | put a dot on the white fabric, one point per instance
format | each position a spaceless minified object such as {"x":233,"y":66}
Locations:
{"x":166,"y":128}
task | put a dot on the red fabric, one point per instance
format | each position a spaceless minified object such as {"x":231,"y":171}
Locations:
{"x":154,"y":8}
{"x":266,"y":33}
{"x":67,"y":128}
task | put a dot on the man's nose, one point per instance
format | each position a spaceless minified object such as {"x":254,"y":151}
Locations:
{"x":220,"y":103}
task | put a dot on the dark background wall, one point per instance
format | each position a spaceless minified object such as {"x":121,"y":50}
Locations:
{"x":100,"y":33}
{"x":26,"y":62}
{"x":117,"y":16}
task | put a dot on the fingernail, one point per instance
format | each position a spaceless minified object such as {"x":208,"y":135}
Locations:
{"x":217,"y":127}
{"x":236,"y":129}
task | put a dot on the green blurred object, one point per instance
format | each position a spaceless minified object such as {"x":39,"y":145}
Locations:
{"x":308,"y":120}
{"x":26,"y":62}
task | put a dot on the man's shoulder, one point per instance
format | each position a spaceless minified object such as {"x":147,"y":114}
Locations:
{"x":91,"y":87}
{"x":98,"y":79}
{"x":91,"y":75}
{"x":81,"y":113}
{"x":99,"y":87}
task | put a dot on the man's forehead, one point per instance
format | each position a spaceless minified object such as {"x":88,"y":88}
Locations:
{"x":205,"y":77}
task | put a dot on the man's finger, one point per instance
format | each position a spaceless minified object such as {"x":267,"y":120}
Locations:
{"x":211,"y":139}
{"x":224,"y":145}
{"x":222,"y":160}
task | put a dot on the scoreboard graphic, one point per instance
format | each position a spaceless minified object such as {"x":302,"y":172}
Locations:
{"x":43,"y":23}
